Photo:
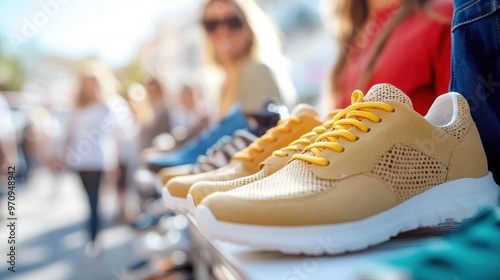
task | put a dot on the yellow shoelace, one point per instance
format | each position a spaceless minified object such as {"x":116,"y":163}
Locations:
{"x":344,"y":120}
{"x":306,"y":139}
{"x":270,"y":136}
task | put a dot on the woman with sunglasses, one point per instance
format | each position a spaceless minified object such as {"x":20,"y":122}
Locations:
{"x":242,"y":44}
{"x":242,"y":65}
{"x":406,"y":43}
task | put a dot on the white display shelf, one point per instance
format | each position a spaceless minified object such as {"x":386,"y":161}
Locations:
{"x":222,"y":260}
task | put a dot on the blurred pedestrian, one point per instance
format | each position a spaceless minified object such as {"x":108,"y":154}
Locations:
{"x":91,"y":143}
{"x":160,"y":122}
{"x":189,"y":116}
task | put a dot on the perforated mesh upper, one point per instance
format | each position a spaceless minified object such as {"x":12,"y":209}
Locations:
{"x":463,"y":122}
{"x":296,"y":179}
{"x":384,"y":92}
{"x":409,"y":172}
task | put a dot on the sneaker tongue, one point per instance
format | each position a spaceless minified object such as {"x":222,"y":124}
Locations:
{"x":384,"y":92}
{"x":304,"y":110}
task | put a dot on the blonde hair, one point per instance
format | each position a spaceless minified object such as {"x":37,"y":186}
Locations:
{"x":108,"y":84}
{"x":347,"y":18}
{"x":264,"y":39}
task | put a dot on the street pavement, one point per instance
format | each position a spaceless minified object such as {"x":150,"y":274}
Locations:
{"x":51,"y":232}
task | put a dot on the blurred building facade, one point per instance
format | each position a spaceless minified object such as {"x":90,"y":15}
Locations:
{"x":173,"y":53}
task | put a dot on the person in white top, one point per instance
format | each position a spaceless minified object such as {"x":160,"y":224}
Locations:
{"x":189,"y":116}
{"x":91,"y":141}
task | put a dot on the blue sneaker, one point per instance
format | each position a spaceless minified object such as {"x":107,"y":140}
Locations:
{"x":470,"y":252}
{"x":189,"y":152}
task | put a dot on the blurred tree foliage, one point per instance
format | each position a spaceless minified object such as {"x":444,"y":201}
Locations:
{"x":12,"y":74}
{"x":132,"y":73}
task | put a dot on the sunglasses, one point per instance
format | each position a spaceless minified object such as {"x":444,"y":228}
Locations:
{"x":233,"y":23}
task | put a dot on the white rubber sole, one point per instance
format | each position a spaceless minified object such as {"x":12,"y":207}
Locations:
{"x":191,"y":204}
{"x":451,"y":201}
{"x":174,"y":203}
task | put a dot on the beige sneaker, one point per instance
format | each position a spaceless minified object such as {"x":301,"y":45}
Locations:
{"x":382,"y":170}
{"x":245,"y":162}
{"x":269,"y":166}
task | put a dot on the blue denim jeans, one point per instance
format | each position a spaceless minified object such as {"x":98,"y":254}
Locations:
{"x":91,"y":181}
{"x":476,"y":69}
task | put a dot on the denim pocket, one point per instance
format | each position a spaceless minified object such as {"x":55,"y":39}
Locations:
{"x":468,"y":11}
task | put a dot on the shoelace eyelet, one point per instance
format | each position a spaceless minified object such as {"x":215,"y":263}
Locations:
{"x":352,"y":116}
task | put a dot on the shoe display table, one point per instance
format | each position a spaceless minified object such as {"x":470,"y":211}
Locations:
{"x":221,"y":260}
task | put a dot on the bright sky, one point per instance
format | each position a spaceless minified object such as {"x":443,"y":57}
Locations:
{"x":109,"y":29}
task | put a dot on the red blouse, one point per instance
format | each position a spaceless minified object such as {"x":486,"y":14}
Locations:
{"x":415,"y":58}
